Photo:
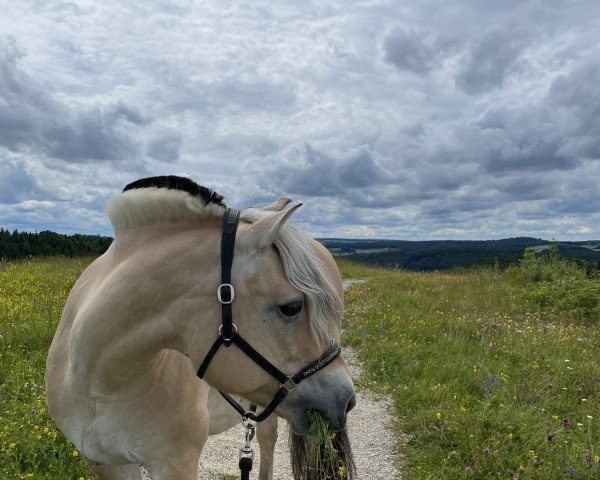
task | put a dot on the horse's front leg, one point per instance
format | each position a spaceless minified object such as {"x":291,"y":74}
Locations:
{"x":117,"y":472}
{"x":183,"y":468}
{"x":266,"y":433}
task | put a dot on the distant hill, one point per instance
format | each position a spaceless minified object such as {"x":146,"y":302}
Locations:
{"x":411,"y":255}
{"x":445,"y":254}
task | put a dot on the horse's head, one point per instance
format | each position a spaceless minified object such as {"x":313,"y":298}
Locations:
{"x":287,"y":306}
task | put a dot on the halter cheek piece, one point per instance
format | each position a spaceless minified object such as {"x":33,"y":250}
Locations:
{"x":228,"y":333}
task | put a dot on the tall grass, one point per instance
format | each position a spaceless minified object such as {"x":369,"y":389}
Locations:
{"x":487,"y":383}
{"x":32,"y":295}
{"x":558,"y":286}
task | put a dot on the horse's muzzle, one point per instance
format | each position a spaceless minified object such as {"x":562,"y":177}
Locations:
{"x":332,"y":394}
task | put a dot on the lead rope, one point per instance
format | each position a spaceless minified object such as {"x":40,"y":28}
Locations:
{"x":246,"y":452}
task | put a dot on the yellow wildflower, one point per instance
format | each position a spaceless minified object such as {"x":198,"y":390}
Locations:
{"x":75,"y":453}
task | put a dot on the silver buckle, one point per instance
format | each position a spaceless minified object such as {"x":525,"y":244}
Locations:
{"x":230,"y":289}
{"x":289,"y":385}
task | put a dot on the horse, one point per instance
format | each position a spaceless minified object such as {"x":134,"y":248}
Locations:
{"x":141,"y":321}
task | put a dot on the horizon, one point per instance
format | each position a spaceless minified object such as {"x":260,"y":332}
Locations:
{"x":433,"y":120}
{"x":357,"y":239}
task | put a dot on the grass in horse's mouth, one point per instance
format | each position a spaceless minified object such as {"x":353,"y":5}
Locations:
{"x":328,"y":452}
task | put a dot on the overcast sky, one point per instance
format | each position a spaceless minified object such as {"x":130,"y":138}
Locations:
{"x":404,"y":119}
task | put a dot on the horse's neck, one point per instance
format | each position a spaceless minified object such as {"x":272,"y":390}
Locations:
{"x":141,"y":299}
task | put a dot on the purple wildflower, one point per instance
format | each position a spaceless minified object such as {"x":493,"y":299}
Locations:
{"x":488,"y":385}
{"x":570,"y":470}
{"x":566,"y":423}
{"x":550,"y":437}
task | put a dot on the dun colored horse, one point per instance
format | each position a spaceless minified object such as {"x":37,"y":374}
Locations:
{"x":121,"y":373}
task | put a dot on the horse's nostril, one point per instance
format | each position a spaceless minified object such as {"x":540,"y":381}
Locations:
{"x":351,"y":404}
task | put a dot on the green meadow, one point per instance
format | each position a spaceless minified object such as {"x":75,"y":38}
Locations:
{"x":32,"y":295}
{"x":493,"y":373}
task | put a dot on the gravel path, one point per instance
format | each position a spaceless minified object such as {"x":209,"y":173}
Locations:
{"x":368,"y":429}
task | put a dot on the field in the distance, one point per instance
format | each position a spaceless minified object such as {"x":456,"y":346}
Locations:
{"x":494,"y":374}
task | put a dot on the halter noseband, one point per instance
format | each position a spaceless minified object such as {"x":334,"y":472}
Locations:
{"x":228,"y":333}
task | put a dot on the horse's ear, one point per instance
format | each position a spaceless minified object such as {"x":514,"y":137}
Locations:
{"x":262,"y":233}
{"x":278,"y":204}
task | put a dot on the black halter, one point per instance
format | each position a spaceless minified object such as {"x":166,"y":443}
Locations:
{"x":228,"y":333}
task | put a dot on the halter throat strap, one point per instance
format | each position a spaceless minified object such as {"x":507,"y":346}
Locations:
{"x":228,"y":333}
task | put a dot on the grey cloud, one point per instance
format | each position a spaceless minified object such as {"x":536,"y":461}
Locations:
{"x":308,"y":172}
{"x":165,"y":146}
{"x":574,"y":100}
{"x":181,"y":93}
{"x":16,"y":184}
{"x":414,"y":130}
{"x":522,"y":187}
{"x":359,"y":168}
{"x":554,"y":134}
{"x":409,"y":50}
{"x":90,"y":135}
{"x":131,"y":114}
{"x":489,"y":61}
{"x":392,"y":196}
{"x":316,"y":173}
{"x":31,"y":118}
{"x":252,"y":95}
{"x":19,"y":103}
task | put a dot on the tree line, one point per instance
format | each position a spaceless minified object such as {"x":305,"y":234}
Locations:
{"x":16,"y":245}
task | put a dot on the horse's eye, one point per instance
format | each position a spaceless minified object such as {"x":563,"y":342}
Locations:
{"x":291,"y":309}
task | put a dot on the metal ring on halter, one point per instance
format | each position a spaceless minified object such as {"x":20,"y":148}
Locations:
{"x":221,"y":332}
{"x":289,"y":385}
{"x":248,"y":422}
{"x":231,"y":290}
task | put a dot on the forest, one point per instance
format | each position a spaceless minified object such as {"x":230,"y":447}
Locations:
{"x":448,"y":254}
{"x":16,"y":245}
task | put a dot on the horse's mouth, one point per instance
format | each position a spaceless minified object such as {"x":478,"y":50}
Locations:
{"x":308,"y":464}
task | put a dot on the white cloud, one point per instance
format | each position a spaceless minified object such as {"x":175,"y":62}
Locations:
{"x":420,"y":120}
